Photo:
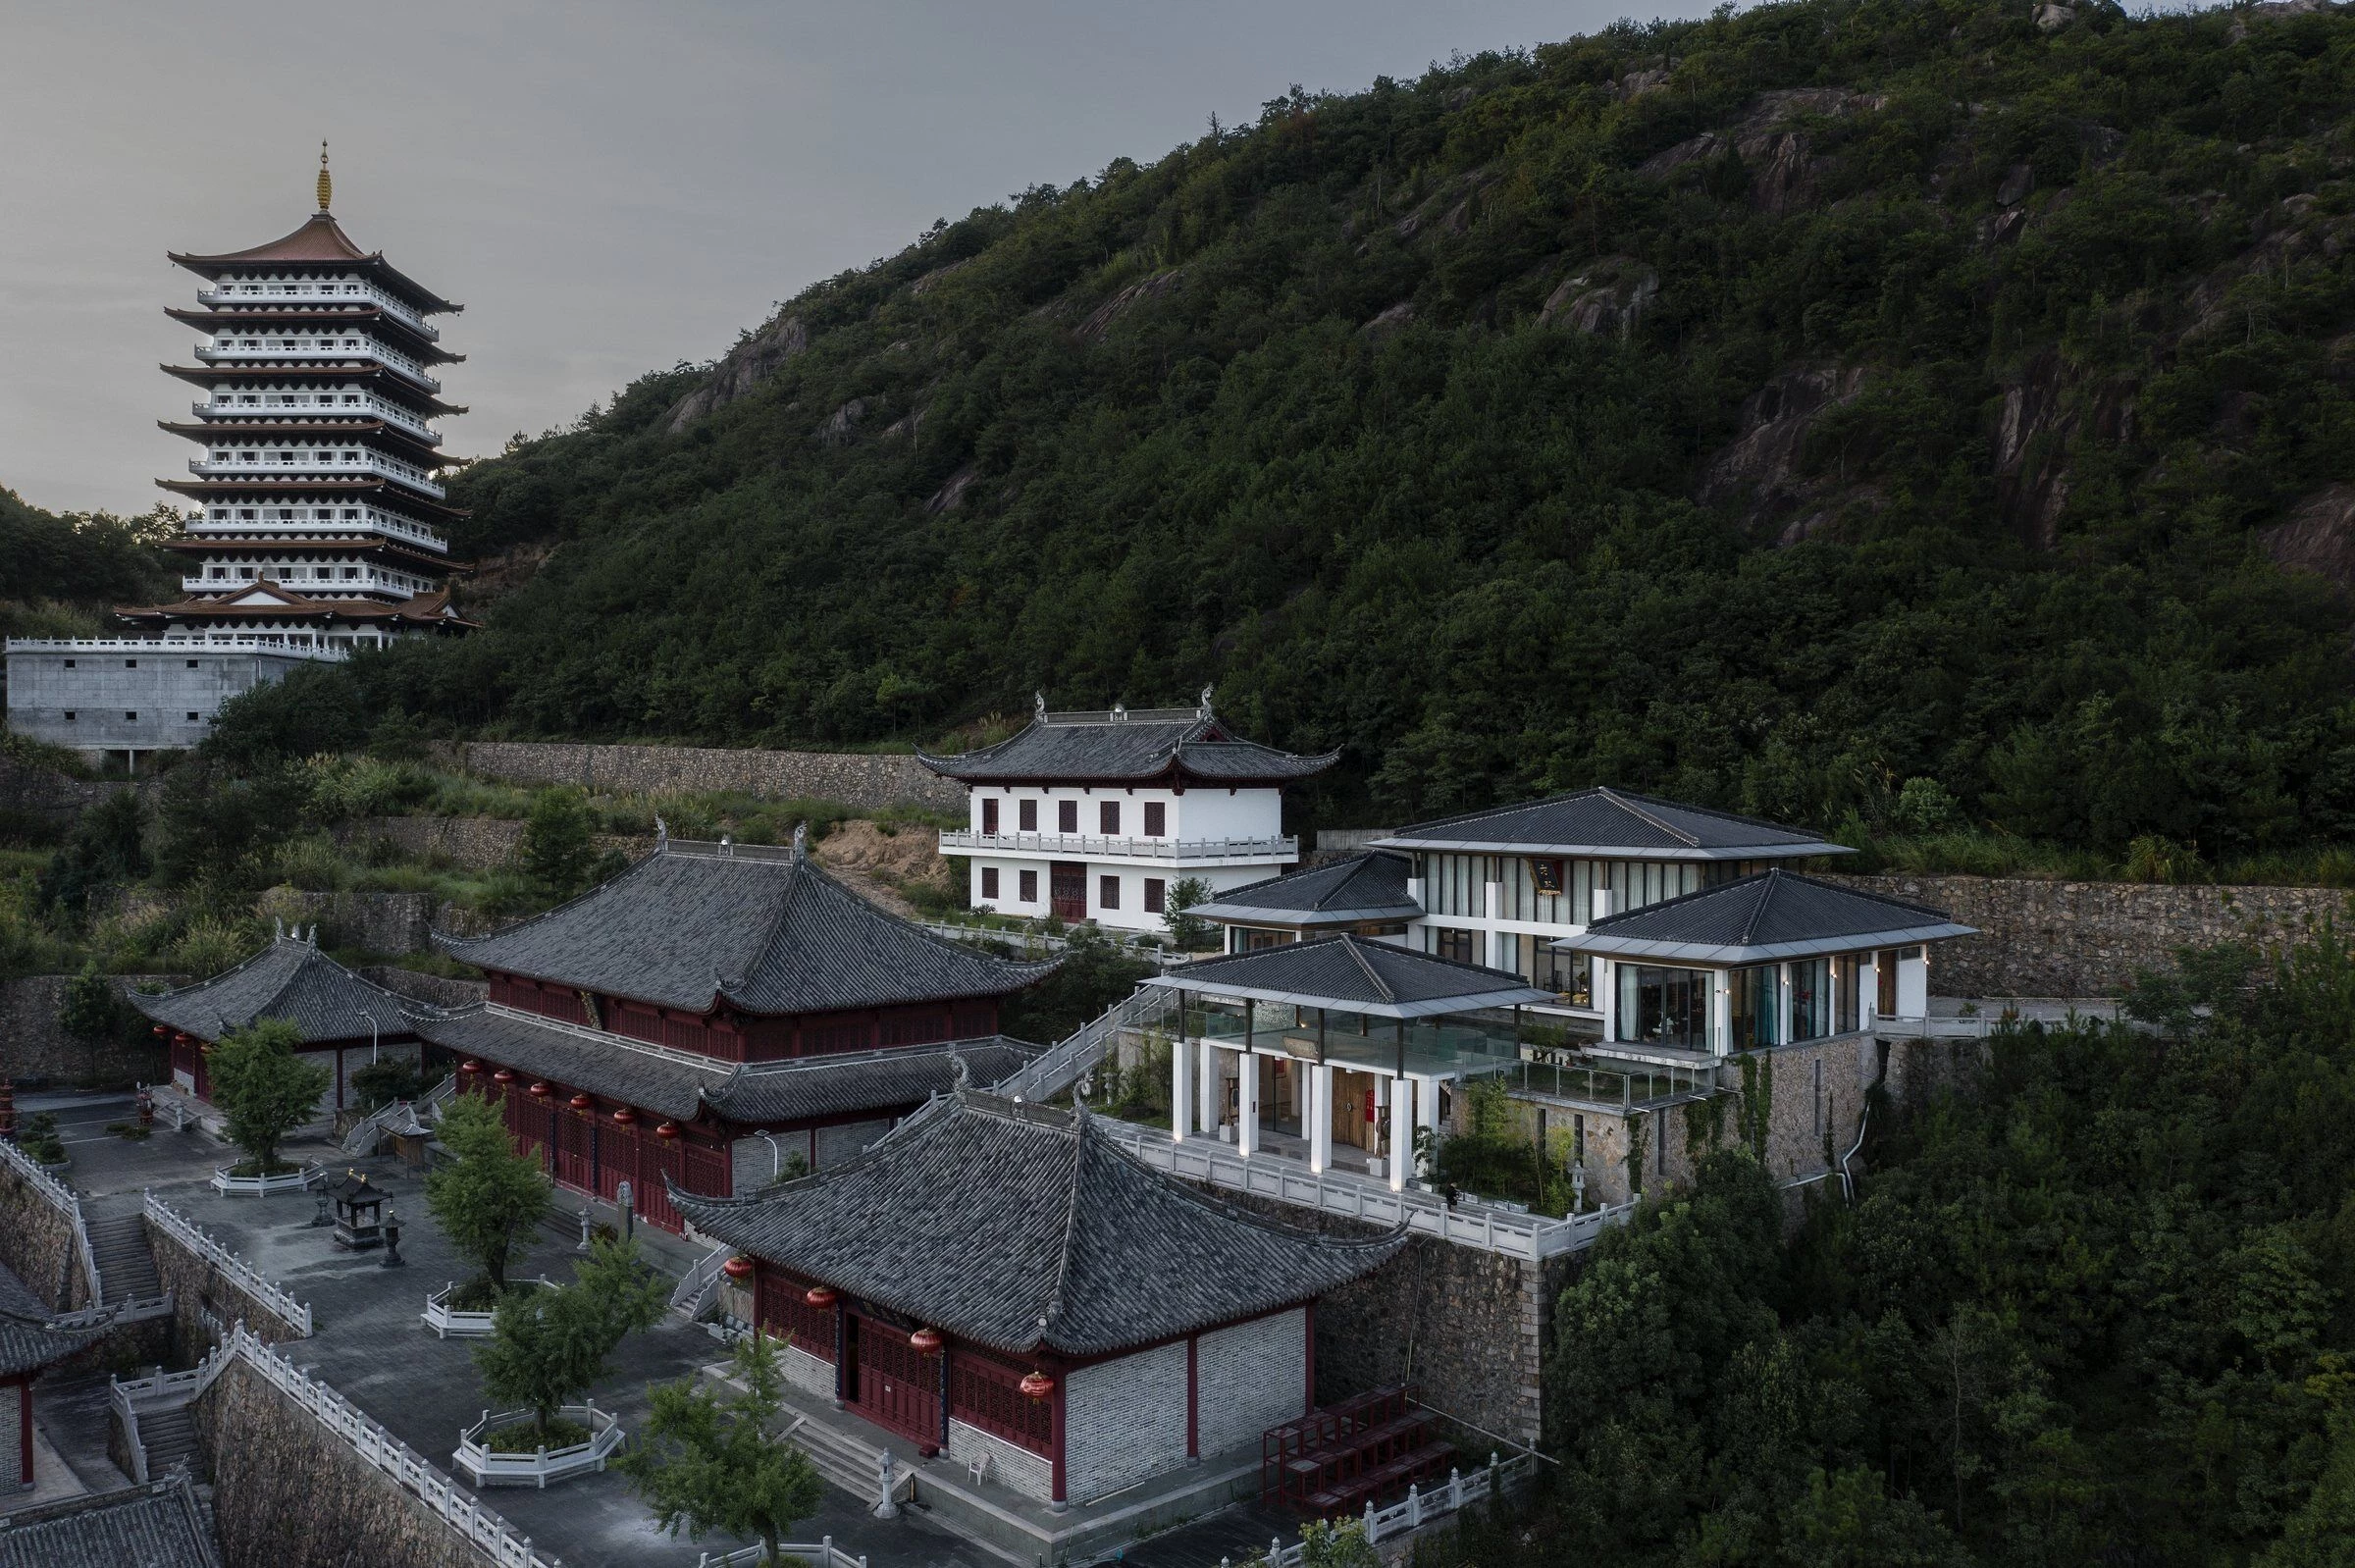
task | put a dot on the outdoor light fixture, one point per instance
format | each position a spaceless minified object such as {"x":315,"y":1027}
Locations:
{"x":1036,"y":1384}
{"x":739,"y":1266}
{"x":819,"y":1295}
{"x":926,"y":1341}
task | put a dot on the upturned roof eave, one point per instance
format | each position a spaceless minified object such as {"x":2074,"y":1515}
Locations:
{"x":1716,"y":955}
{"x":1270,"y":915}
{"x":1436,"y":1007}
{"x":1614,"y":852}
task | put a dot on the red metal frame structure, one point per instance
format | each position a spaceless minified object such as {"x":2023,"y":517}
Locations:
{"x":1336,"y":1459}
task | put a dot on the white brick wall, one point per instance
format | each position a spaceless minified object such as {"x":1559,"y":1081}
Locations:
{"x":809,"y":1372}
{"x":1251,"y":1376}
{"x":1011,"y":1466}
{"x":1122,"y":1421}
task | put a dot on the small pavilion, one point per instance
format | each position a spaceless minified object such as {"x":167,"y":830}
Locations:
{"x":1366,"y":895}
{"x":340,"y":1015}
{"x":1004,"y":1282}
{"x":1327,"y":1033}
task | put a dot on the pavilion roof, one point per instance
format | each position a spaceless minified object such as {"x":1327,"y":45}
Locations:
{"x":680,"y":1084}
{"x":1606,"y":824}
{"x":764,"y":929}
{"x":265,"y":597}
{"x":288,"y":980}
{"x":1365,"y":887}
{"x":1772,"y":916}
{"x":1023,"y":1227}
{"x":160,"y":1524}
{"x":320,"y":242}
{"x":1124,"y":746}
{"x":1352,"y":975}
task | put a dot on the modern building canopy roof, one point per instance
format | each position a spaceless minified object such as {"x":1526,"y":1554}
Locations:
{"x":692,"y":926}
{"x":1024,"y":1229}
{"x":1765,"y":918}
{"x":320,"y":242}
{"x":1162,"y":745}
{"x":162,"y":1525}
{"x":288,"y":980}
{"x":1365,"y":887}
{"x":680,"y":1085}
{"x":1350,"y":974}
{"x":1612,"y":824}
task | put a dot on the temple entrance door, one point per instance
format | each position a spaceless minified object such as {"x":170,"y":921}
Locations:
{"x":572,"y":1149}
{"x":894,"y":1385}
{"x":1066,"y":886}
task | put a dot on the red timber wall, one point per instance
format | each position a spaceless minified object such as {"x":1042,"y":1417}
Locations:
{"x":590,"y":1152}
{"x":735,"y":1038}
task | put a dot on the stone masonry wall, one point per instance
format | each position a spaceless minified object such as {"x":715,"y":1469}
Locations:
{"x":37,"y":1242}
{"x":205,"y":1303}
{"x":375,"y":922}
{"x":867,"y":782}
{"x":2040,"y":939}
{"x":36,"y":1049}
{"x":433,"y":989}
{"x":290,"y":1494}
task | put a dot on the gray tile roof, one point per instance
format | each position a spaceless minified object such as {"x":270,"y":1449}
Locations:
{"x":765,"y":929}
{"x":1353,"y":975}
{"x":1766,"y":918}
{"x":1365,"y":887}
{"x":158,"y":1525}
{"x":28,"y":1342}
{"x":1022,"y":1226}
{"x":680,"y":1085}
{"x":1609,"y":824}
{"x":1125,"y":748}
{"x":288,"y":980}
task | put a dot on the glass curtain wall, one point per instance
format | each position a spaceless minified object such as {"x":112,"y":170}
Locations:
{"x":1664,"y":1007}
{"x":1811,"y":999}
{"x":1847,"y":1015}
{"x":1755,"y":1006}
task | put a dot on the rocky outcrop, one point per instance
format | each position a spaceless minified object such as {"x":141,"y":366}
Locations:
{"x":1388,"y":321}
{"x":952,"y":493}
{"x":1100,"y":320}
{"x":742,"y":368}
{"x":836,"y":431}
{"x":1609,"y":295}
{"x":1760,"y":470}
{"x":2046,"y":407}
{"x":1781,"y":163}
{"x":2318,"y":535}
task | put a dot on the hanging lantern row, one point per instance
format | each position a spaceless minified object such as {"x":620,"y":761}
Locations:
{"x":541,"y":1091}
{"x":470,"y":1065}
{"x":1036,"y":1384}
{"x":182,"y":1039}
{"x":159,"y":1032}
{"x":928,"y":1341}
{"x":625,"y":1118}
{"x":581,"y":1102}
{"x":503,"y":1075}
{"x":739,"y":1266}
{"x":820,"y":1296}
{"x":667,"y":1131}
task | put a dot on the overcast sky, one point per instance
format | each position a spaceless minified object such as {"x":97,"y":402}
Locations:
{"x":608,"y":187}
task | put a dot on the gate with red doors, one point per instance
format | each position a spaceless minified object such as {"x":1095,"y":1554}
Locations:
{"x":1067,"y":887}
{"x":894,"y":1385}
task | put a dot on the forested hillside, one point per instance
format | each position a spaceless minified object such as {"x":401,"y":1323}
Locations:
{"x":1770,"y":410}
{"x":60,"y":575}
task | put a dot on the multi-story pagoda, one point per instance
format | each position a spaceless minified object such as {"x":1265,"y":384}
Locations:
{"x":318,"y":517}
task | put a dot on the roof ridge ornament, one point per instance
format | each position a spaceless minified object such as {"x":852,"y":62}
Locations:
{"x":326,"y":183}
{"x":1203,"y":711}
{"x":1038,"y":707}
{"x":801,"y":841}
{"x":662,"y":835}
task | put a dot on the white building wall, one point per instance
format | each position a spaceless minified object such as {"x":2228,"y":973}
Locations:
{"x":1208,"y":812}
{"x":1011,"y":1465}
{"x":1249,"y":1378}
{"x":1122,"y":1421}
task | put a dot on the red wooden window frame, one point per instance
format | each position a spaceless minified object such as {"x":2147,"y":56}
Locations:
{"x":987,"y":1394}
{"x":1108,"y":892}
{"x":1156,"y":895}
{"x":1025,"y":816}
{"x":1108,"y":819}
{"x":1029,"y":887}
{"x":1067,"y":817}
{"x":989,"y":813}
{"x":1157,"y":819}
{"x":989,"y":880}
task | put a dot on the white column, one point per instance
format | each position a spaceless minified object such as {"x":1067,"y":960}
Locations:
{"x":1320,"y":1123}
{"x":1206,"y":1113}
{"x":1246,"y":1103}
{"x":1181,"y":1100}
{"x":1402,"y":1130}
{"x":1427,"y":1111}
{"x":1721,"y":1012}
{"x":1782,"y":1004}
{"x":1607,"y":994}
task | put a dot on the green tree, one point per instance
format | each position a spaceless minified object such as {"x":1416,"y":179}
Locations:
{"x":706,"y":1463}
{"x":264,"y":1089}
{"x":106,"y":847}
{"x":556,"y":850}
{"x":490,"y":1194}
{"x":546,"y":1346}
{"x":1094,"y":974}
{"x":91,"y":1009}
{"x":1190,"y":933}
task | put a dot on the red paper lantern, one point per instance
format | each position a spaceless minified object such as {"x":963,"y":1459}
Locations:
{"x":1036,"y":1385}
{"x":667,"y":1131}
{"x":503,"y":1075}
{"x":928,"y":1341}
{"x":159,"y":1031}
{"x":581,"y":1102}
{"x":625,"y":1118}
{"x":470,"y":1064}
{"x":182,"y":1039}
{"x":541,"y":1091}
{"x":819,"y":1295}
{"x":207,"y":1049}
{"x":737,"y":1268}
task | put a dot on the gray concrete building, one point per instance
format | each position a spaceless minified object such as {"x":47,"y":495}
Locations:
{"x":124,"y":696}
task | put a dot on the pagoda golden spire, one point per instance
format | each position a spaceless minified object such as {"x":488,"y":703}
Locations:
{"x":326,"y":185}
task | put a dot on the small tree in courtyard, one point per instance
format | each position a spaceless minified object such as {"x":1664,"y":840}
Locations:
{"x":264,"y":1089}
{"x":546,"y":1346}
{"x":490,"y":1196}
{"x":708,"y":1463}
{"x":1190,"y":933}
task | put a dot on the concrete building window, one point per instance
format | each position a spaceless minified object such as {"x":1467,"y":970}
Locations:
{"x":69,"y":664}
{"x":1108,"y":819}
{"x":989,"y":881}
{"x":69,"y":715}
{"x":1157,"y":820}
{"x":1155,"y":890}
{"x":191,"y":664}
{"x":130,"y":715}
{"x":989,"y":815}
{"x":131,"y":664}
{"x":193,"y":718}
{"x":1108,"y":892}
{"x":1029,"y":887}
{"x":1067,"y":817}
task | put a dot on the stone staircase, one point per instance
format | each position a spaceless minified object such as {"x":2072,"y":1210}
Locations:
{"x":853,"y":1466}
{"x":170,"y":1438}
{"x":126,"y":1262}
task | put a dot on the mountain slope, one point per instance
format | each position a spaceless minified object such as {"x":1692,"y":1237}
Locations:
{"x":1767,"y":410}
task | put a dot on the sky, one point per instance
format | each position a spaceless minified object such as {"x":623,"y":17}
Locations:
{"x":608,"y":187}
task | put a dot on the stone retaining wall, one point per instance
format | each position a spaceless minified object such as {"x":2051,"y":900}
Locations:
{"x":37,"y":1242}
{"x":375,"y":922}
{"x":36,"y":1049}
{"x":477,"y":843}
{"x":869,"y":782}
{"x":205,"y":1302}
{"x":2040,"y":939}
{"x":287,"y":1490}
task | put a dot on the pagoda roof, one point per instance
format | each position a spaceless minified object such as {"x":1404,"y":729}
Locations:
{"x":349,"y":545}
{"x":1365,"y":887}
{"x":265,"y":597}
{"x":1606,"y":824}
{"x":1026,"y":1229}
{"x":270,"y":492}
{"x":420,"y":450}
{"x":1765,"y":918}
{"x":1119,"y":746}
{"x":320,"y":242}
{"x":1352,"y":975}
{"x":385,"y":377}
{"x":373,"y":317}
{"x":765,"y":930}
{"x":158,"y":1525}
{"x":288,"y":980}
{"x":681,"y":1085}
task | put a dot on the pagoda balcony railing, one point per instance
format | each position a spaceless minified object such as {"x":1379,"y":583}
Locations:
{"x":343,"y":588}
{"x":275,"y":469}
{"x":1076,"y":846}
{"x":282,"y":402}
{"x":262,"y":358}
{"x":373,"y":522}
{"x":310,"y":292}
